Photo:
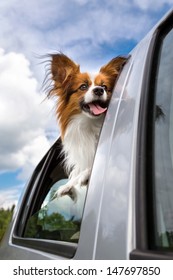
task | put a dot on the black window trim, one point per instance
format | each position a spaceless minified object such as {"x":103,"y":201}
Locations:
{"x":143,"y":191}
{"x":60,"y":248}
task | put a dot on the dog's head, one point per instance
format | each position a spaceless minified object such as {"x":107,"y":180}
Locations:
{"x":82,"y":93}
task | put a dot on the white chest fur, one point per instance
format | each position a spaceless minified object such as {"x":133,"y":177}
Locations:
{"x":80,"y":142}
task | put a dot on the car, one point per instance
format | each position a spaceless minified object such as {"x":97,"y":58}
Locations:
{"x":127,"y":210}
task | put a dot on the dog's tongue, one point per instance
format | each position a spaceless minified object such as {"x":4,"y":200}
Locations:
{"x":96,"y":109}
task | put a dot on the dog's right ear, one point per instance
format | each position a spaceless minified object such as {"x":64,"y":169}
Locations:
{"x":62,"y":68}
{"x":114,"y":66}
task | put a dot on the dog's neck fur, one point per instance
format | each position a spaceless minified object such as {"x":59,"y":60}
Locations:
{"x":79,"y":143}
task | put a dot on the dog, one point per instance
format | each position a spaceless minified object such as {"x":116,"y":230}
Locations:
{"x":82,"y":103}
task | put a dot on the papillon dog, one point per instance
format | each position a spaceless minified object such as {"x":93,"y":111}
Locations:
{"x":82,"y":103}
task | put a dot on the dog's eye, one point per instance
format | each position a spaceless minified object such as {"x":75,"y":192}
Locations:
{"x":83,"y":87}
{"x":105,"y":87}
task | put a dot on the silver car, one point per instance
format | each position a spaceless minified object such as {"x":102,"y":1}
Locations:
{"x":127,"y":210}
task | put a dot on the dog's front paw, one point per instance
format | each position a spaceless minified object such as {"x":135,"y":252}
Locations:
{"x":66,"y":190}
{"x":63,"y":190}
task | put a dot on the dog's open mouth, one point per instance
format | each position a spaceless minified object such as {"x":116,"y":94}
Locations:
{"x":94,"y":108}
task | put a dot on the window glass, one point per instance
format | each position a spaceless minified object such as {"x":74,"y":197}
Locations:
{"x":55,"y":218}
{"x":163,"y":148}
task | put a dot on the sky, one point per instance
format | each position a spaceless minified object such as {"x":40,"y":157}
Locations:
{"x":91,"y":32}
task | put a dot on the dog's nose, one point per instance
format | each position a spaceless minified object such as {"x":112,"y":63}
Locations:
{"x":98,"y":91}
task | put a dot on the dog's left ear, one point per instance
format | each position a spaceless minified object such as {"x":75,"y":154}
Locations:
{"x":62,"y":67}
{"x":114,"y":66}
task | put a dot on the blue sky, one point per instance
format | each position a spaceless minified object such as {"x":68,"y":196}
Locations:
{"x":91,"y":32}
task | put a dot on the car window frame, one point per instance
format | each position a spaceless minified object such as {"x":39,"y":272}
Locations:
{"x":61,"y":248}
{"x":144,"y":154}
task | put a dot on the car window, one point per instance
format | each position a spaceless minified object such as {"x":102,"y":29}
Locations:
{"x":58,"y":218}
{"x":163,"y":149}
{"x":52,"y":217}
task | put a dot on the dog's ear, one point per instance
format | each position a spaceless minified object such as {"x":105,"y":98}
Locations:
{"x":62,"y":67}
{"x":114,"y":66}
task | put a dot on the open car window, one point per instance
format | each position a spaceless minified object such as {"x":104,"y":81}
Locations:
{"x":50,"y":223}
{"x":58,"y":218}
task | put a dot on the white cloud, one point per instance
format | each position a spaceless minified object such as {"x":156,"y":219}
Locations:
{"x":156,"y":4}
{"x":10,"y":196}
{"x":31,"y":153}
{"x":24,"y":115}
{"x":48,"y":25}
